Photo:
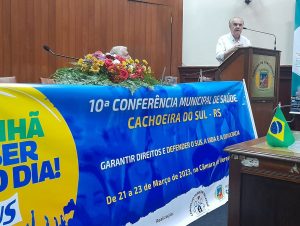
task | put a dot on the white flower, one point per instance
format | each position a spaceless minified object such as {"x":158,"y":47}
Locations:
{"x":116,"y":61}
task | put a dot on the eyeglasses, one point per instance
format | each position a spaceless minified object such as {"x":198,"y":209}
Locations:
{"x":238,"y":24}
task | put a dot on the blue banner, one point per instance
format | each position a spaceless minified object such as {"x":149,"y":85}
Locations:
{"x":91,"y":155}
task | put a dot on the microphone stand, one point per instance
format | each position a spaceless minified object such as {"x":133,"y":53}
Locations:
{"x":47,"y":48}
{"x":200,"y":74}
{"x":263,"y":33}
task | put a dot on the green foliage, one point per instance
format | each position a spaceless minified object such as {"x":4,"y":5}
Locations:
{"x":76,"y":76}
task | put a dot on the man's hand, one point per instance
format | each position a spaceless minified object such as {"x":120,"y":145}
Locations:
{"x":236,"y":46}
{"x":232,"y":50}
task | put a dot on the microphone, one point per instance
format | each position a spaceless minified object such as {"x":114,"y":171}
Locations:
{"x":163,"y":75}
{"x":47,"y":48}
{"x":263,"y":33}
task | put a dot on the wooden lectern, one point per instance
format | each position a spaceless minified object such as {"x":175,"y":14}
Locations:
{"x":260,"y":68}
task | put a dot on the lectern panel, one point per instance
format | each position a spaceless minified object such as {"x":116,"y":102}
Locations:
{"x":263,"y":76}
{"x":265,"y":201}
{"x":235,"y":71}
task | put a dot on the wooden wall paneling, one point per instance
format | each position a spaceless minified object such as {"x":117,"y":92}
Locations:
{"x":80,"y":28}
{"x":61,"y":38}
{"x":90,"y":13}
{"x":119,"y":22}
{"x":51,"y":38}
{"x":80,"y":31}
{"x":100,"y":26}
{"x":177,"y":36}
{"x":152,"y":41}
{"x":157,"y":2}
{"x":153,"y":36}
{"x":167,"y":44}
{"x":158,"y":61}
{"x":176,"y":7}
{"x":83,"y":25}
{"x":30,"y":40}
{"x":154,"y":62}
{"x":37,"y":34}
{"x":77,"y":27}
{"x":166,"y":35}
{"x":5,"y":38}
{"x":16,"y":44}
{"x":109,"y":23}
{"x":140,"y":25}
{"x":134,"y":40}
{"x":72,"y":47}
{"x":131,"y":29}
{"x":127,"y":25}
{"x":21,"y":47}
{"x":66,"y":32}
{"x":41,"y":29}
{"x":115,"y":18}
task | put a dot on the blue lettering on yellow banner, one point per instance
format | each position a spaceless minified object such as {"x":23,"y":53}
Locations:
{"x":35,"y":144}
{"x":15,"y":153}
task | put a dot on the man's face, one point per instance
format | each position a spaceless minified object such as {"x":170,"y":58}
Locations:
{"x":236,"y":27}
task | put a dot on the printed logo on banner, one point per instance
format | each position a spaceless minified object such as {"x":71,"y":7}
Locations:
{"x":219,"y":192}
{"x":198,"y":204}
{"x":227,"y":189}
{"x":10,"y":211}
{"x":38,"y":160}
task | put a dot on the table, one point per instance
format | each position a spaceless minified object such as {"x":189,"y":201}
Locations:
{"x":264,"y":184}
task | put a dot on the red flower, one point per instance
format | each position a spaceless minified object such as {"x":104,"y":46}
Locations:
{"x":120,"y":58}
{"x":108,"y":63}
{"x":139,"y":71}
{"x":111,"y":69}
{"x":123,"y":74}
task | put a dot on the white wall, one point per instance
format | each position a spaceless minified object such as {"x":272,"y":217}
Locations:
{"x":204,"y":21}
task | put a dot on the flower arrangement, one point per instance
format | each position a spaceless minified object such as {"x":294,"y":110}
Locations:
{"x":107,"y":69}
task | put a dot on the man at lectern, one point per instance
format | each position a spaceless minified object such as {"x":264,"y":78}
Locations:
{"x":230,"y":42}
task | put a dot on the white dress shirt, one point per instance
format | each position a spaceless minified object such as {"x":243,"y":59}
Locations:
{"x":226,"y":42}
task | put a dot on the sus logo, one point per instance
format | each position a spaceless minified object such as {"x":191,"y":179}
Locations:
{"x":9,"y":211}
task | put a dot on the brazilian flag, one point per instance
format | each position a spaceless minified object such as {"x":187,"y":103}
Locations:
{"x":279,"y":134}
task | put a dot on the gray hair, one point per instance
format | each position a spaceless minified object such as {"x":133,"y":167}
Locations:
{"x":117,"y":50}
{"x":236,"y":17}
